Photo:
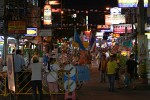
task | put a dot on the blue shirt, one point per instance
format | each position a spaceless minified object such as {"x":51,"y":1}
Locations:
{"x":18,"y":62}
{"x":45,"y":59}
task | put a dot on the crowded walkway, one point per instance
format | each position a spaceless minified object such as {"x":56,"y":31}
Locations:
{"x":95,"y":90}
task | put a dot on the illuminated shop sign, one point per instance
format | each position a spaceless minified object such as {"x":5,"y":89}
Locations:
{"x":99,"y":34}
{"x":148,"y":35}
{"x":47,"y":15}
{"x":31,"y":32}
{"x":56,"y":10}
{"x":115,"y":10}
{"x":16,"y":27}
{"x":122,"y":28}
{"x":131,"y":3}
{"x":54,"y":2}
{"x":116,"y":35}
{"x":114,"y":19}
{"x":103,"y":27}
{"x":106,"y":30}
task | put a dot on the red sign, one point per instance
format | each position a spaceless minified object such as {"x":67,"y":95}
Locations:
{"x":17,"y":27}
{"x":56,"y":10}
{"x":122,"y":28}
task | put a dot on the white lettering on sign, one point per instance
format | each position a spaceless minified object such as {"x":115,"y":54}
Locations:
{"x":121,"y":28}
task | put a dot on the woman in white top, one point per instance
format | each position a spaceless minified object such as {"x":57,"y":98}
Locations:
{"x":52,"y":78}
{"x":36,"y":78}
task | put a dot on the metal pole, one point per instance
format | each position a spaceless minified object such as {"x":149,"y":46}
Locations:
{"x":5,"y":49}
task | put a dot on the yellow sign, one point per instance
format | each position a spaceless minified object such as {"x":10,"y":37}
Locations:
{"x":31,"y":31}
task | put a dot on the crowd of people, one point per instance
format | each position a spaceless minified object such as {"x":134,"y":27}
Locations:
{"x":109,"y":68}
{"x":123,"y":77}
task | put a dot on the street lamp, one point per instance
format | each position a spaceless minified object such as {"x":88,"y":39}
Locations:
{"x":74,"y":16}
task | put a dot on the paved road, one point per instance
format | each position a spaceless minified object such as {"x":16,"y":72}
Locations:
{"x":94,"y":90}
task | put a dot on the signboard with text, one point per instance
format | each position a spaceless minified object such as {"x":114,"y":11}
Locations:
{"x":47,"y":15}
{"x":114,"y":19}
{"x":102,"y":27}
{"x":16,"y":27}
{"x":45,"y":32}
{"x":122,"y":28}
{"x":31,"y":32}
{"x":131,"y":3}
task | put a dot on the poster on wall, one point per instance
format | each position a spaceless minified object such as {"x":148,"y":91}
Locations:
{"x":142,"y":47}
{"x":10,"y":72}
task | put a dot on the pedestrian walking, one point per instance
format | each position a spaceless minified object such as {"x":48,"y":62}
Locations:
{"x":111,"y":70}
{"x":117,"y":74}
{"x":131,"y":70}
{"x":102,"y":68}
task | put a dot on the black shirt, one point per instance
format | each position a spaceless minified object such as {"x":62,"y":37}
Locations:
{"x":131,"y":66}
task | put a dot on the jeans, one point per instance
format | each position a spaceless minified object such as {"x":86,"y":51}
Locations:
{"x":36,"y":84}
{"x":102,"y":75}
{"x":111,"y":80}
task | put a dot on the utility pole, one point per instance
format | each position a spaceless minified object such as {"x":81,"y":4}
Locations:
{"x":141,"y":20}
{"x":142,"y":42}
